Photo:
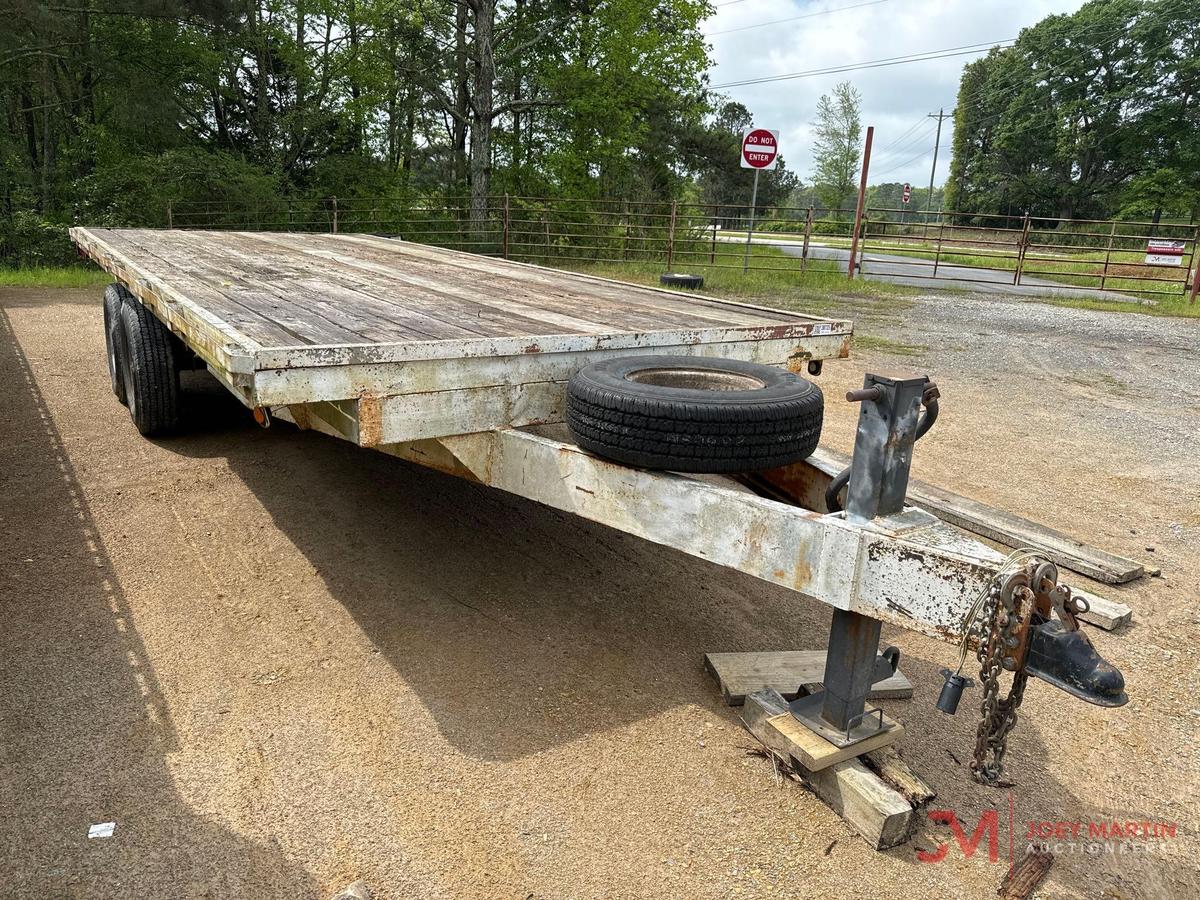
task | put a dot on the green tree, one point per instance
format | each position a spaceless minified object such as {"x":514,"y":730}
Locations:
{"x":836,"y":152}
{"x":1076,"y":118}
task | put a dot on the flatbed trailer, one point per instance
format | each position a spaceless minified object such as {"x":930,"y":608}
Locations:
{"x":459,"y":362}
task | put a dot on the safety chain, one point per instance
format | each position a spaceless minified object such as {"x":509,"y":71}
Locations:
{"x":996,"y":634}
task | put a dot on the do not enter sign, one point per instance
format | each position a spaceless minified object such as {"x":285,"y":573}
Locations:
{"x":760,"y":149}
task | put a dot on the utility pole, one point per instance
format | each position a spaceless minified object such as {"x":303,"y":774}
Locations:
{"x":937,"y":143}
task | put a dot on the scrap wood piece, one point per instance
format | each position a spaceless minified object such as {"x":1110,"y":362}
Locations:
{"x":1022,"y":879}
{"x":889,"y":765}
{"x":1102,"y":612}
{"x":785,"y":671}
{"x":869,"y":805}
{"x":1004,"y":527}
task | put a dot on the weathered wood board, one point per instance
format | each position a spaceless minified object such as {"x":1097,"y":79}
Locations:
{"x":413,"y":341}
{"x":873,"y":808}
{"x":1102,"y":612}
{"x":787,"y":672}
{"x":1005,"y":527}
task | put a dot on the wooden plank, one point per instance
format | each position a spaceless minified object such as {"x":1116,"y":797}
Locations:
{"x":672,"y":293}
{"x":1007,"y":528}
{"x":222,"y":343}
{"x":214,"y":275}
{"x":889,"y":765}
{"x":1022,"y":880}
{"x":868,"y":804}
{"x":786,"y":672}
{"x":815,"y":753}
{"x":1102,"y":612}
{"x":548,"y":286}
{"x":345,"y":304}
{"x":457,"y":303}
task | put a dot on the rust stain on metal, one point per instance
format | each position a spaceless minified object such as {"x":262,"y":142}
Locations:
{"x":299,"y":414}
{"x":804,"y":574}
{"x":370,"y":422}
{"x":532,"y":348}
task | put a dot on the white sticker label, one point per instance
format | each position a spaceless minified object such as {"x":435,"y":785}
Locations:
{"x":823,"y":328}
{"x":102,"y":830}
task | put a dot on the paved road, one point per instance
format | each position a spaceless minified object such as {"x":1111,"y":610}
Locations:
{"x":915,"y":272}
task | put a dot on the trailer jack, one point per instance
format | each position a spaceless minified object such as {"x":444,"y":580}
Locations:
{"x":1023,"y":621}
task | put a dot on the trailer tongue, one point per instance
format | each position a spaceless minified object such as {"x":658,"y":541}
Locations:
{"x":459,"y":363}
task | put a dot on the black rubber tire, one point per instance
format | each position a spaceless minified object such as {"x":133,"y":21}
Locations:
{"x":679,"y":279}
{"x":685,"y":429}
{"x":147,"y":356}
{"x":114,"y":298}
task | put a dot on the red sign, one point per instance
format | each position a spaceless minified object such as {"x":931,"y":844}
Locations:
{"x":907,"y":192}
{"x":760,"y":148}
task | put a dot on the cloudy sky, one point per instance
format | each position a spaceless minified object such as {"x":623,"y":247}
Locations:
{"x":896,"y":99}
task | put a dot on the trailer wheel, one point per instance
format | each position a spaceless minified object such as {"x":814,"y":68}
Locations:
{"x":147,"y":362}
{"x":114,"y":298}
{"x":679,"y":279}
{"x":693,"y":414}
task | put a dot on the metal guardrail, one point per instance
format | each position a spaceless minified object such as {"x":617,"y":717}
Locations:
{"x":1069,"y":254}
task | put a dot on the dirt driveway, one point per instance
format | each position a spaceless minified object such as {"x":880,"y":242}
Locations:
{"x":280,"y":663}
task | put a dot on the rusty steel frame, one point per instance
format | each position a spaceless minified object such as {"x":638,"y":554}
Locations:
{"x":908,"y":569}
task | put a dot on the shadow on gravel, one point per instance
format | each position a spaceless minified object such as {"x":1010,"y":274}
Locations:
{"x":84,"y":729}
{"x":523,"y":629}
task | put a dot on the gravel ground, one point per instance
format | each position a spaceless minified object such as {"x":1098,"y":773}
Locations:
{"x":280,"y":663}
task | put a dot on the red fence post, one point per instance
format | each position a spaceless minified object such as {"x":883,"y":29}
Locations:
{"x":1196,"y":264}
{"x":808,"y":222}
{"x":862,"y":197}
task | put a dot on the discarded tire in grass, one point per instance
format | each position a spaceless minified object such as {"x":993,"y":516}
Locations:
{"x":114,"y":297}
{"x":678,"y":279}
{"x":147,"y":364}
{"x":690,"y":414}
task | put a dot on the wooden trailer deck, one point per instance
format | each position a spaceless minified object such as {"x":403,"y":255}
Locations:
{"x":387,"y":341}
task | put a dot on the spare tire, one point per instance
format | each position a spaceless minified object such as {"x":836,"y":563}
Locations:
{"x":679,"y":279}
{"x":694,"y":414}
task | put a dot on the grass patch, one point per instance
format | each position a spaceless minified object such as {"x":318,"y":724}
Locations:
{"x":887,"y":345}
{"x":1177,"y":308}
{"x":773,"y":279}
{"x":54,"y":277}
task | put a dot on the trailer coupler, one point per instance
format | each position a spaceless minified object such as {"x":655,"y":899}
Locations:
{"x":1026,"y":623}
{"x":1023,"y":621}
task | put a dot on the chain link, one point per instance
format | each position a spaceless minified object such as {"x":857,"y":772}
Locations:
{"x":1000,"y":621}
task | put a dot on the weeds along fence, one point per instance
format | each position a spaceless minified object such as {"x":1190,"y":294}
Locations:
{"x":554,"y":231}
{"x":1084,"y":254}
{"x":1065,"y":254}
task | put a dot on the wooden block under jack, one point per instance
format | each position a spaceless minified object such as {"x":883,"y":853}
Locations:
{"x":815,"y":753}
{"x":785,"y":671}
{"x":881,"y":814}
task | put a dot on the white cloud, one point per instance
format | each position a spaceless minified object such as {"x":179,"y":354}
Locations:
{"x":894,"y":98}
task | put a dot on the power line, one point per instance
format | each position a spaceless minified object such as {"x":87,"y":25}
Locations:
{"x":823,"y":12}
{"x":898,"y":148}
{"x":921,"y":121}
{"x":925,"y":56}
